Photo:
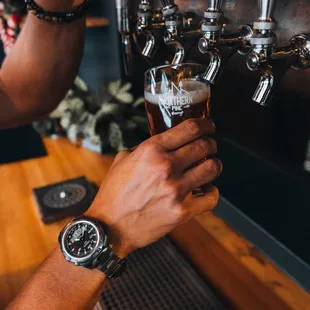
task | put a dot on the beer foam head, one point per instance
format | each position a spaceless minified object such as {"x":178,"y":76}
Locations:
{"x":199,"y":91}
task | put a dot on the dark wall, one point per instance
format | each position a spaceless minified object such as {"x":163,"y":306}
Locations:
{"x":292,"y":17}
{"x":279,"y":132}
{"x":101,"y":59}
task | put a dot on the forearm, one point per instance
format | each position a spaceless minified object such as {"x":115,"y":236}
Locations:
{"x":41,"y":67}
{"x":58,"y":284}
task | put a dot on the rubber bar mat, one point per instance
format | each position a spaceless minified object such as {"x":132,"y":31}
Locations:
{"x":158,"y":278}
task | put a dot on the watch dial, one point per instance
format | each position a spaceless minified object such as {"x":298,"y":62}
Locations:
{"x":81,"y":239}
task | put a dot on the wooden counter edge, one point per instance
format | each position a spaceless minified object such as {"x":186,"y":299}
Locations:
{"x":92,"y":22}
{"x":235,"y":268}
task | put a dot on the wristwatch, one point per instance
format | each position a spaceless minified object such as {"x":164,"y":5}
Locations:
{"x":84,"y":242}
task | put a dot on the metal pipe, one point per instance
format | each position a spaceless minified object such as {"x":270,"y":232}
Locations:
{"x":124,"y":29}
{"x":127,"y":54}
{"x":122,"y":15}
{"x":191,"y":34}
{"x":266,"y":8}
{"x":230,"y":39}
{"x":284,"y":52}
{"x":215,"y":5}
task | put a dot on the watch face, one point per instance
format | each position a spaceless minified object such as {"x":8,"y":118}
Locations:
{"x":81,"y":239}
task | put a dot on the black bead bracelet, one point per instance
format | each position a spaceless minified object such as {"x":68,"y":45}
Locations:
{"x":57,"y":17}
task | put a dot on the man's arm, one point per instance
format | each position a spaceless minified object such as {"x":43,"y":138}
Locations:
{"x":58,"y":284}
{"x":140,"y":201}
{"x":41,"y":67}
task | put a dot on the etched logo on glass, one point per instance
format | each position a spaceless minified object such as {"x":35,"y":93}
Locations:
{"x":176,"y":100}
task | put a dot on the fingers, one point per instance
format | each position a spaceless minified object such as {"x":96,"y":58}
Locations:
{"x":202,"y":204}
{"x":193,"y":206}
{"x":194,"y":152}
{"x":186,"y":132}
{"x":204,"y":173}
{"x":119,"y":157}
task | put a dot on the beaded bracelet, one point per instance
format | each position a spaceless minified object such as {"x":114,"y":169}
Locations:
{"x":57,"y":17}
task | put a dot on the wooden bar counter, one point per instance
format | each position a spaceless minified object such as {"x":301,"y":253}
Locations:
{"x":236,"y":270}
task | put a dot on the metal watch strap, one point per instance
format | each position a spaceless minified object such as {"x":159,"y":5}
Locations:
{"x":111,"y":264}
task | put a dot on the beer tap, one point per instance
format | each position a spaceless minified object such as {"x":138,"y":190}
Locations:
{"x":213,"y":37}
{"x":151,"y":25}
{"x":145,"y":15}
{"x":264,"y":53}
{"x":124,"y":29}
{"x":178,"y":29}
{"x":298,"y":52}
{"x":263,"y":43}
{"x":173,"y":24}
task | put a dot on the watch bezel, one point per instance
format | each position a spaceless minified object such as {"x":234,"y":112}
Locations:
{"x":101,"y":245}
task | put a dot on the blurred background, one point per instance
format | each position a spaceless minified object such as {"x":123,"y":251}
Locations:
{"x":265,"y":150}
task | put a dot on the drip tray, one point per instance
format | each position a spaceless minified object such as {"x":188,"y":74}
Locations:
{"x":157,"y":278}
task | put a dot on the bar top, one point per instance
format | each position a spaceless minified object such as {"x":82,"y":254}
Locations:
{"x":239,"y":273}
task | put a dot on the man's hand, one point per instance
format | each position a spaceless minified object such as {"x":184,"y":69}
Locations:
{"x":142,"y":197}
{"x":140,"y":200}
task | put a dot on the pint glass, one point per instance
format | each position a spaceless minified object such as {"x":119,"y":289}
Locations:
{"x":174,"y":93}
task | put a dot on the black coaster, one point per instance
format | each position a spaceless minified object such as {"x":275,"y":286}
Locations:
{"x":70,"y":198}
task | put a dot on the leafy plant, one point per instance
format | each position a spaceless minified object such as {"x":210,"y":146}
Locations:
{"x":115,"y":123}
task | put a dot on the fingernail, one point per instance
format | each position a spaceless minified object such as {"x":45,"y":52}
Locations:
{"x":212,"y":124}
{"x":212,"y":143}
{"x":219,"y":164}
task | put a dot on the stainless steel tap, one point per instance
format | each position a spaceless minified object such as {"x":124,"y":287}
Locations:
{"x":179,"y":29}
{"x":264,"y":53}
{"x":123,"y":21}
{"x":144,"y":27}
{"x":173,"y":37}
{"x":173,"y":24}
{"x":298,"y":51}
{"x":263,"y":43}
{"x":213,"y":37}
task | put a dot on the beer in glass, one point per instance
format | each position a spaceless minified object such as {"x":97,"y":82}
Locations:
{"x":175,"y":93}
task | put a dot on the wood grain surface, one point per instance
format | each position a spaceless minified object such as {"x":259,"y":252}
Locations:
{"x":25,"y":241}
{"x":237,"y":271}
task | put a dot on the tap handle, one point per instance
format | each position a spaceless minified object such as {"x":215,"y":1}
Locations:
{"x":266,"y":10}
{"x":167,"y":3}
{"x":215,"y":5}
{"x":169,"y":7}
